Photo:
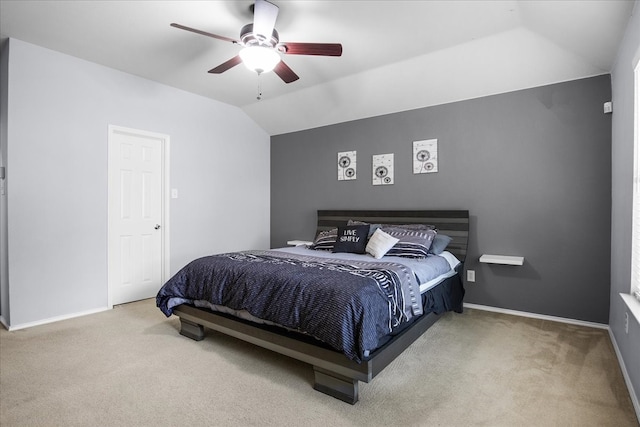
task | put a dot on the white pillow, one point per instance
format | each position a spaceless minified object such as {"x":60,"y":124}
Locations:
{"x":380,"y":243}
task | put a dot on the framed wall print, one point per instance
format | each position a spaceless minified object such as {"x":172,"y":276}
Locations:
{"x":347,"y":165}
{"x":382,"y":169}
{"x":425,"y":156}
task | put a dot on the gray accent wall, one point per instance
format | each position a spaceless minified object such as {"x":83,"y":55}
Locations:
{"x":533,"y":167}
{"x":628,"y":344}
{"x":59,"y":110}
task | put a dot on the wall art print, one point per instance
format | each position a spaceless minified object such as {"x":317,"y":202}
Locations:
{"x":382,"y":169}
{"x":347,"y":165}
{"x":425,"y":156}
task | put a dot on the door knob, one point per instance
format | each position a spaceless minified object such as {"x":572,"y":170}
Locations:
{"x":157,"y":226}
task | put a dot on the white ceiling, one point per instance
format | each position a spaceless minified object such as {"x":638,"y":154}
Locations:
{"x":397,"y":55}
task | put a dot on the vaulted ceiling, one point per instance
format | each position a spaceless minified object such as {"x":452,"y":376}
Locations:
{"x":397,"y":55}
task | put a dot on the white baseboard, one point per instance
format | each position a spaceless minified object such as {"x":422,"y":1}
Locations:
{"x":538,"y":316}
{"x":625,"y":374}
{"x":51,"y":319}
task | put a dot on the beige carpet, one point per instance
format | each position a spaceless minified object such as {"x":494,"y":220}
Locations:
{"x":130,"y":367}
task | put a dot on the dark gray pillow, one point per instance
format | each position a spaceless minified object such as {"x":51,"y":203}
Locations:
{"x":372,"y":227}
{"x":352,"y":239}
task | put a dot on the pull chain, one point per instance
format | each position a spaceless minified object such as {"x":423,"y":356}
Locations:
{"x":259,"y":97}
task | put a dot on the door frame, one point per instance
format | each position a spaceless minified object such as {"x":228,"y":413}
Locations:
{"x":164,"y":201}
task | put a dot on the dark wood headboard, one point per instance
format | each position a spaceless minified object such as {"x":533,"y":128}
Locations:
{"x":453,"y":223}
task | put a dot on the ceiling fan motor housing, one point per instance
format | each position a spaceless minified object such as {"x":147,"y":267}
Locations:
{"x":249,"y":38}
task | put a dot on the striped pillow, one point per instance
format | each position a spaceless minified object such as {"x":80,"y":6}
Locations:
{"x":374,"y":227}
{"x":412,"y":244}
{"x":325,"y":240}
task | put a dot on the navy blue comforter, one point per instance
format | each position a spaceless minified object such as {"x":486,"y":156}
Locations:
{"x":348,"y":305}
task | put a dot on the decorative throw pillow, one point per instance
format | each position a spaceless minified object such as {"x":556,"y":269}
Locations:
{"x":412,"y":243}
{"x":412,"y":226}
{"x":439,"y":244}
{"x":372,"y":227}
{"x":325,"y":240}
{"x":352,"y":239}
{"x":380,"y":243}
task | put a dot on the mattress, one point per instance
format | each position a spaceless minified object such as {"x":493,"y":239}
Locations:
{"x":429,"y":271}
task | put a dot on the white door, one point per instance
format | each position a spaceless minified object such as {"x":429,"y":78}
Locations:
{"x":136,"y":214}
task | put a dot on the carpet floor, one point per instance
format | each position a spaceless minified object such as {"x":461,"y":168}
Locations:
{"x":130,"y":367}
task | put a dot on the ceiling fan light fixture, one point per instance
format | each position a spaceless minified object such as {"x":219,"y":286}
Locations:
{"x":260,"y":59}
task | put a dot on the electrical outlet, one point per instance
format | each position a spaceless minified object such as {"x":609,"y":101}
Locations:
{"x":471,"y":275}
{"x":626,"y":322}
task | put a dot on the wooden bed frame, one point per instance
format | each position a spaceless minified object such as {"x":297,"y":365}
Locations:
{"x":335,"y":374}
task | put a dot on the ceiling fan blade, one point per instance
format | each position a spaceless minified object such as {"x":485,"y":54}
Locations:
{"x":264,"y":19}
{"x":285,"y":73}
{"x":226,"y":65}
{"x":322,"y":49}
{"x":204,"y":33}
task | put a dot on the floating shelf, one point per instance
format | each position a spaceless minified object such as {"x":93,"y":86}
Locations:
{"x":502,"y":259}
{"x":299,"y":242}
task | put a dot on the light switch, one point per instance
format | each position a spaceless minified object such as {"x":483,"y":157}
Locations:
{"x":174,"y":193}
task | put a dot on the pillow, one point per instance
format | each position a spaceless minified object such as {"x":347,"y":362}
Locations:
{"x":379,"y":243}
{"x":412,"y":226}
{"x":325,"y":240}
{"x":372,"y":227}
{"x":439,"y":244}
{"x":412,"y":243}
{"x":352,"y":239}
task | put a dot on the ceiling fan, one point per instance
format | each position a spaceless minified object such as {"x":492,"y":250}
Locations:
{"x":262,"y":46}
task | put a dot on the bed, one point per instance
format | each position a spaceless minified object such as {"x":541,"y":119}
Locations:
{"x":347,"y":314}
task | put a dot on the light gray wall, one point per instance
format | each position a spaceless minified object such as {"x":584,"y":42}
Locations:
{"x":533,"y":167}
{"x":59,"y":111}
{"x":622,"y":184}
{"x":4,"y":273}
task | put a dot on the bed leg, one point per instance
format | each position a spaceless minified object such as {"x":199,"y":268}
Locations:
{"x":191,"y":330}
{"x":336,"y":385}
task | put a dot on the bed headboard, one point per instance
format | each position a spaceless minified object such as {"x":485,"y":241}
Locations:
{"x":453,"y":223}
